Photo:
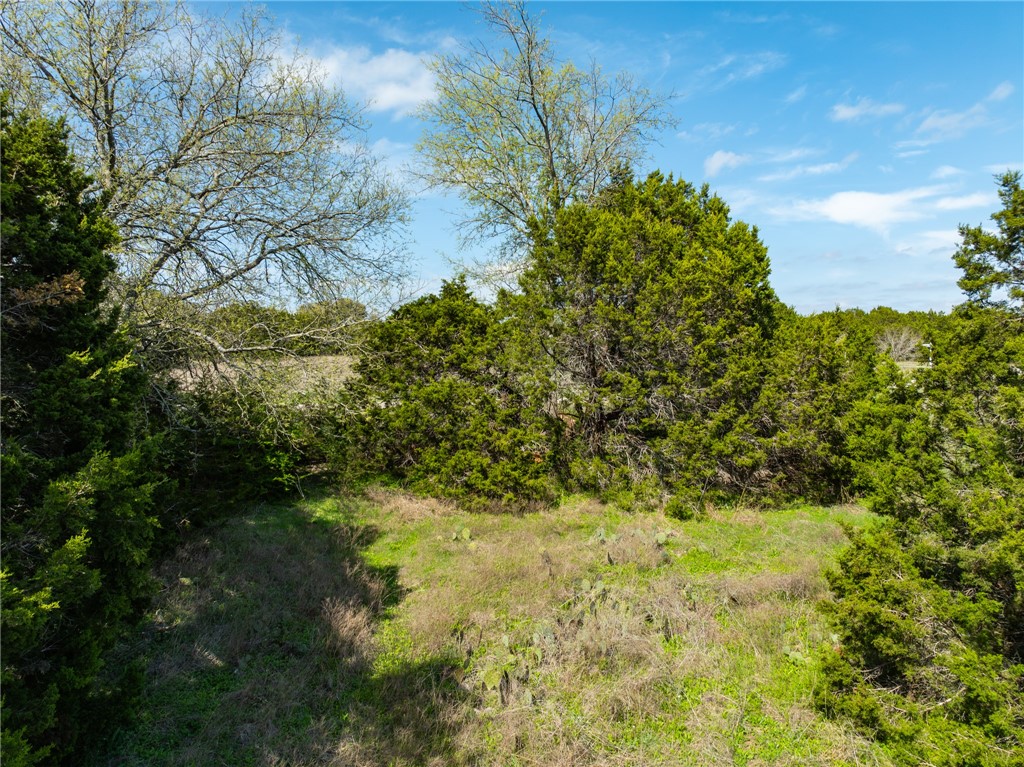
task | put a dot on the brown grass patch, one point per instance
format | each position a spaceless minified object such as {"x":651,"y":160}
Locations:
{"x":406,"y":507}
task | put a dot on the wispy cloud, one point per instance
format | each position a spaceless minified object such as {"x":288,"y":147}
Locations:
{"x":796,"y":95}
{"x":721,"y":160}
{"x":750,"y":18}
{"x":1002,"y":167}
{"x":789,"y":155}
{"x":946,"y":124}
{"x":931,"y":241}
{"x":943,"y":124}
{"x":707,"y":132}
{"x":967,"y":201}
{"x":1002,"y":91}
{"x":863,"y":109}
{"x":946,"y":171}
{"x":736,"y":67}
{"x":811,"y":170}
{"x":395,"y":81}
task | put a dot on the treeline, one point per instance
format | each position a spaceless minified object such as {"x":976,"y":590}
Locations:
{"x":644,"y":357}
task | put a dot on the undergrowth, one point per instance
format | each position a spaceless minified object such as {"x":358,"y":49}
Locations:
{"x":392,"y":630}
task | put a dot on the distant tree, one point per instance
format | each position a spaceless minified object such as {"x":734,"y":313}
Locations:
{"x":993,"y":262}
{"x":519,"y":135}
{"x":76,"y":469}
{"x":899,"y":342}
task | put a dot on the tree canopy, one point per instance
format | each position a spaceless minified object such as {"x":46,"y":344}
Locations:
{"x":519,"y":134}
{"x":77,"y":475}
{"x":993,"y":262}
{"x":231,"y":167}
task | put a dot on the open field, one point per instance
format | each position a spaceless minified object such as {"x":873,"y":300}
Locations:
{"x":287,"y":374}
{"x":390,"y":630}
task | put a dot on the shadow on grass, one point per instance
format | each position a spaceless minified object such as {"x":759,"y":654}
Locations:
{"x":263,"y":649}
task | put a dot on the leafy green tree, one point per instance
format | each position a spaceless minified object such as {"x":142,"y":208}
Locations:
{"x":645,"y":318}
{"x":77,"y":483}
{"x":436,"y":405}
{"x":233,"y":170}
{"x":993,"y":262}
{"x":930,"y":603}
{"x":519,"y":135}
{"x":819,"y":368}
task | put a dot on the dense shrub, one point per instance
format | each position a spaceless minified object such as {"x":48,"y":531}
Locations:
{"x":819,"y":368}
{"x":930,"y":603}
{"x":435,"y":405}
{"x":236,"y":440}
{"x":645,"y":357}
{"x":77,"y":470}
{"x":645,"y":318}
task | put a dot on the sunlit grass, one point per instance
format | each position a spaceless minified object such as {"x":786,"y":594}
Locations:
{"x":393,"y":630}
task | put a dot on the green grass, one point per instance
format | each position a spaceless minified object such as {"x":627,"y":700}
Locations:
{"x":391,"y":630}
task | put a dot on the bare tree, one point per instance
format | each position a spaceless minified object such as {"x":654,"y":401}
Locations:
{"x":232,"y":169}
{"x":519,"y":135}
{"x":899,"y":342}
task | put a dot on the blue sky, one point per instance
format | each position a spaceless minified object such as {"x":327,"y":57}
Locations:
{"x":855,"y":136}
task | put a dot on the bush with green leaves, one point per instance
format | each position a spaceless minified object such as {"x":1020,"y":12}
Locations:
{"x":436,"y":406}
{"x":79,"y":485}
{"x":644,"y":319}
{"x":819,"y":368}
{"x":929,"y":604}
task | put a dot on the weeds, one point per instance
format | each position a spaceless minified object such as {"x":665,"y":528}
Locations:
{"x":365,"y":633}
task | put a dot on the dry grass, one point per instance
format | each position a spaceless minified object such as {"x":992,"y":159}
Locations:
{"x":282,"y":373}
{"x":395,"y":631}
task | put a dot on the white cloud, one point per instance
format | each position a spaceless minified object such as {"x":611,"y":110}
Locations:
{"x":943,"y":124}
{"x":720,"y":161}
{"x":864,"y":108}
{"x":794,"y":96}
{"x":877,"y":211}
{"x":1002,"y":167}
{"x":934,"y":242}
{"x":946,"y":171}
{"x":395,"y":155}
{"x":1002,"y":91}
{"x":789,"y":155}
{"x":707,"y":132}
{"x":811,"y":170}
{"x":737,"y":67}
{"x":967,"y":201}
{"x":394,"y":81}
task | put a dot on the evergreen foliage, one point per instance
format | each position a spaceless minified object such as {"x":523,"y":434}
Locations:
{"x":78,"y":484}
{"x":648,"y":315}
{"x":645,"y":357}
{"x":436,"y":405}
{"x":819,"y":368}
{"x":992,"y":262}
{"x":930,"y":604}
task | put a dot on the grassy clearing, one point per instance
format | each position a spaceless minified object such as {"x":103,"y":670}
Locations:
{"x":391,"y":630}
